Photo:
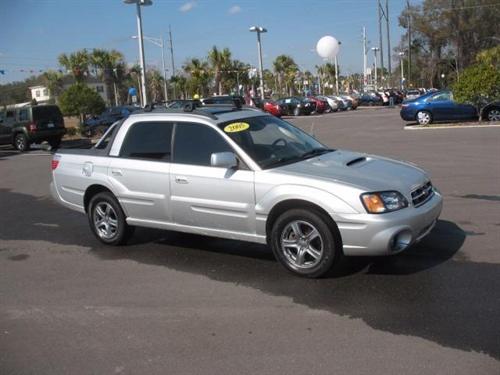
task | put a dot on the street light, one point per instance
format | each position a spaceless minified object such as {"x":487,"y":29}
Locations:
{"x":375,"y":50}
{"x":259,"y":30}
{"x":401,"y":54}
{"x":159,"y":42}
{"x":138,"y":4}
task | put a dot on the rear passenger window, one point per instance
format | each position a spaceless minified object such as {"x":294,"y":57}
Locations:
{"x":23,"y":115}
{"x":148,"y":140}
{"x":195,"y":143}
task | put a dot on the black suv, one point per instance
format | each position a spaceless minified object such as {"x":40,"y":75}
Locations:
{"x":23,"y":125}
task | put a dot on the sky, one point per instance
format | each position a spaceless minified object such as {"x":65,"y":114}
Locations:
{"x":35,"y":32}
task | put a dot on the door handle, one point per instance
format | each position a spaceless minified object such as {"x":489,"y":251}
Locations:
{"x":181,"y":180}
{"x":116,"y":172}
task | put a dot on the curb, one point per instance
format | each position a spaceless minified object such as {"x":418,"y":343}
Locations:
{"x":436,"y":127}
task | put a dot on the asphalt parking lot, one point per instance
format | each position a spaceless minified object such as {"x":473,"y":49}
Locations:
{"x":181,"y":304}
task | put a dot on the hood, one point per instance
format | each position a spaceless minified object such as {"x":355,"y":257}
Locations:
{"x":367,"y":172}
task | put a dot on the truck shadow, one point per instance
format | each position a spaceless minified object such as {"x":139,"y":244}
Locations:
{"x":430,"y":291}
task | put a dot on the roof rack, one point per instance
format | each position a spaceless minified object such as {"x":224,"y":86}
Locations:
{"x":210,"y":112}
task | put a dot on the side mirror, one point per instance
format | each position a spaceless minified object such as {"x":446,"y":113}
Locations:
{"x":223,"y":160}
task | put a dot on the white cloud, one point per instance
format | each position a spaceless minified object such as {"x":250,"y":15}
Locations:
{"x":234,"y":9}
{"x":188,"y":6}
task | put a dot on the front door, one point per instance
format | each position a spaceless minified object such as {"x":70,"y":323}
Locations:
{"x":140,"y":175}
{"x":208,"y":197}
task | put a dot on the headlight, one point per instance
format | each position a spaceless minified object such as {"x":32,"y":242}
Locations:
{"x":299,"y":105}
{"x":384,"y":201}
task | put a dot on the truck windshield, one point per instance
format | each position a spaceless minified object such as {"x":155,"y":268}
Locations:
{"x":272,"y":142}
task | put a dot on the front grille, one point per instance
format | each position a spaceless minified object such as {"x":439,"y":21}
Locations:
{"x":422,"y":194}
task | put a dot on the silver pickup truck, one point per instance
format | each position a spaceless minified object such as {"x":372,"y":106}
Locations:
{"x":242,"y":174}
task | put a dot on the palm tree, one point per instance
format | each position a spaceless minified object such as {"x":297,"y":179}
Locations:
{"x":155,"y":83}
{"x":107,"y":64}
{"x":221,"y":63}
{"x":199,"y":73}
{"x":77,"y":62}
{"x":54,"y":82}
{"x":285,"y":68}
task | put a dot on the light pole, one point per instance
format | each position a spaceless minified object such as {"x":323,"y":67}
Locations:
{"x":159,"y":42}
{"x":337,"y":72}
{"x":375,"y":50}
{"x":259,"y":30}
{"x":401,"y":54}
{"x":138,"y":4}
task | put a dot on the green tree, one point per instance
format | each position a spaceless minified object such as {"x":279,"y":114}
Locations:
{"x":54,"y":82}
{"x":80,"y":100}
{"x":199,"y":75}
{"x":220,"y":62}
{"x":285,"y":68}
{"x":480,"y":83}
{"x":155,"y":84}
{"x":77,"y":62}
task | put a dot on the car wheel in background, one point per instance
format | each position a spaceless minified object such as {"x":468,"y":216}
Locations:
{"x":304,"y":243}
{"x":424,"y":118}
{"x":55,"y":142}
{"x":107,"y":220}
{"x":493,"y":114}
{"x":21,"y":142}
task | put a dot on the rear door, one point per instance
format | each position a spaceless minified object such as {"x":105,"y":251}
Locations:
{"x":8,"y":120}
{"x":140,"y":175}
{"x":204,"y":196}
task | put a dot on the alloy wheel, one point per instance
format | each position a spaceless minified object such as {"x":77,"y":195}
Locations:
{"x":105,"y":220}
{"x":20,"y":143}
{"x":423,"y":118}
{"x":494,"y":115}
{"x":302,"y":245}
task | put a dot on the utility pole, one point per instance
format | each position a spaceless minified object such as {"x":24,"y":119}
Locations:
{"x":388,"y":41}
{"x":381,"y":46}
{"x":172,"y":57}
{"x":409,"y":41}
{"x":364,"y":59}
{"x":375,"y":50}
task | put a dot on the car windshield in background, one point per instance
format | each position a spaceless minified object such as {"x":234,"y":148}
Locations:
{"x":272,"y":142}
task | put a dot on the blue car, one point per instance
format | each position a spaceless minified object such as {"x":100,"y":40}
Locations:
{"x":436,"y":106}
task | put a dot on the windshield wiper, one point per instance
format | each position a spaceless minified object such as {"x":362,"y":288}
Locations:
{"x":314,"y":152}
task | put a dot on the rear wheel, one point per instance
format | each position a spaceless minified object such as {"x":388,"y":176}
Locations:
{"x":424,"y":118}
{"x":304,"y":243}
{"x":21,"y":142}
{"x":493,"y":114}
{"x":107,"y":220}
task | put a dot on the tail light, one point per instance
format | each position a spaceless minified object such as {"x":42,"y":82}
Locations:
{"x":55,"y":161}
{"x":32,"y":127}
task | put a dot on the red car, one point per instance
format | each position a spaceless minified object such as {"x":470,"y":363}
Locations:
{"x":321,"y":105}
{"x":268,"y":106}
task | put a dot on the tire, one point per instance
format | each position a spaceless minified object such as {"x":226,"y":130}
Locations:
{"x":296,"y":111}
{"x":423,"y":118}
{"x":304,"y":243}
{"x":55,"y":142}
{"x":107,"y":220}
{"x":493,"y":114}
{"x":21,"y":142}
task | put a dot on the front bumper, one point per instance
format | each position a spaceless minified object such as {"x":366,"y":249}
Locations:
{"x":385,"y":234}
{"x":408,"y":114}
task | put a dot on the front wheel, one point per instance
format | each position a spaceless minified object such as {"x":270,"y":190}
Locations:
{"x":107,"y":220}
{"x":304,"y":243}
{"x":424,"y":118}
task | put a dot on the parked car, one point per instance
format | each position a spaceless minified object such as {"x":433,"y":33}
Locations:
{"x":246,"y":175}
{"x":332,"y":103}
{"x":180,"y":103}
{"x":269,"y":106}
{"x":25,"y":124}
{"x":296,"y":106}
{"x":353,"y":98}
{"x":436,"y":106}
{"x":346,"y":103}
{"x":370,"y":99}
{"x":412,"y":94}
{"x":224,"y":99}
{"x":97,"y":125}
{"x":321,"y":105}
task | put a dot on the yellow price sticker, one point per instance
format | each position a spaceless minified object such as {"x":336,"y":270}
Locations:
{"x":236,"y":127}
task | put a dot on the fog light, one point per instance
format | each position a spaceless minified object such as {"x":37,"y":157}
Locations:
{"x":400,"y":241}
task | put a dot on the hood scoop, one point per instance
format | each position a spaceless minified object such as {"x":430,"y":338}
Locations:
{"x":355,"y":161}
